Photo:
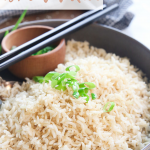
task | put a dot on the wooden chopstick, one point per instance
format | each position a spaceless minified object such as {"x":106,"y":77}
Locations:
{"x":49,"y":33}
{"x":72,"y":27}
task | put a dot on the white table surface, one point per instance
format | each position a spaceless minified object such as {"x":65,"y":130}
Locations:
{"x":139,"y":28}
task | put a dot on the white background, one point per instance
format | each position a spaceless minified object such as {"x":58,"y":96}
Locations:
{"x":140,"y":26}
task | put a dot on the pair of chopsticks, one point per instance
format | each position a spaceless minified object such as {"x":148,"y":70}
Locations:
{"x":47,"y":38}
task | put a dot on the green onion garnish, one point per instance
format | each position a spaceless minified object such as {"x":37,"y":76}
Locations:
{"x":16,"y":25}
{"x":87,"y":98}
{"x":60,"y":80}
{"x":49,"y":76}
{"x":75,"y":87}
{"x":4,"y":36}
{"x":19,"y":20}
{"x":7,"y":32}
{"x":90,"y":85}
{"x":76,"y":95}
{"x":39,"y":79}
{"x":112,"y":104}
{"x":54,"y":83}
{"x":77,"y":68}
{"x":44,"y":50}
{"x":93,"y":96}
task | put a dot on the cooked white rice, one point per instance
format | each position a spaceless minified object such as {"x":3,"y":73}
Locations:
{"x":36,"y":117}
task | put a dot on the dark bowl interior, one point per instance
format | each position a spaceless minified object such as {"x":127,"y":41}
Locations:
{"x":103,"y":37}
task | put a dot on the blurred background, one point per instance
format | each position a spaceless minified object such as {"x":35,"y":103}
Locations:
{"x":140,"y":25}
{"x":132,"y":18}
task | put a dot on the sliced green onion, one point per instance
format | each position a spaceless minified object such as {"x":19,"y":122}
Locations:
{"x":83,"y":91}
{"x":19,"y":20}
{"x":16,"y":26}
{"x":38,"y":78}
{"x":72,"y":73}
{"x":61,"y":87}
{"x":76,"y":66}
{"x":61,"y":78}
{"x":90,"y":85}
{"x":55,"y":76}
{"x":59,"y":82}
{"x":87,"y":98}
{"x":13,"y":47}
{"x":69,"y":83}
{"x":49,"y":76}
{"x":82,"y":85}
{"x":64,"y":83}
{"x":38,"y":53}
{"x":54,"y":83}
{"x":42,"y":80}
{"x":86,"y":90}
{"x":112,"y":104}
{"x":93,"y":96}
{"x":44,"y":50}
{"x":75,"y":87}
{"x":76,"y":95}
{"x":7,"y":32}
{"x":48,"y":48}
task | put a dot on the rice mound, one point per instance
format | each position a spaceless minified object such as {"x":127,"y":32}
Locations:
{"x":36,"y":117}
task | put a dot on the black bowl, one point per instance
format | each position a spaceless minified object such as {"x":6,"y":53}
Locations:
{"x":110,"y":39}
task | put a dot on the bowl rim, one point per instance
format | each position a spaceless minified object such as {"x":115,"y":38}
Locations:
{"x":57,"y":48}
{"x":61,"y":21}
